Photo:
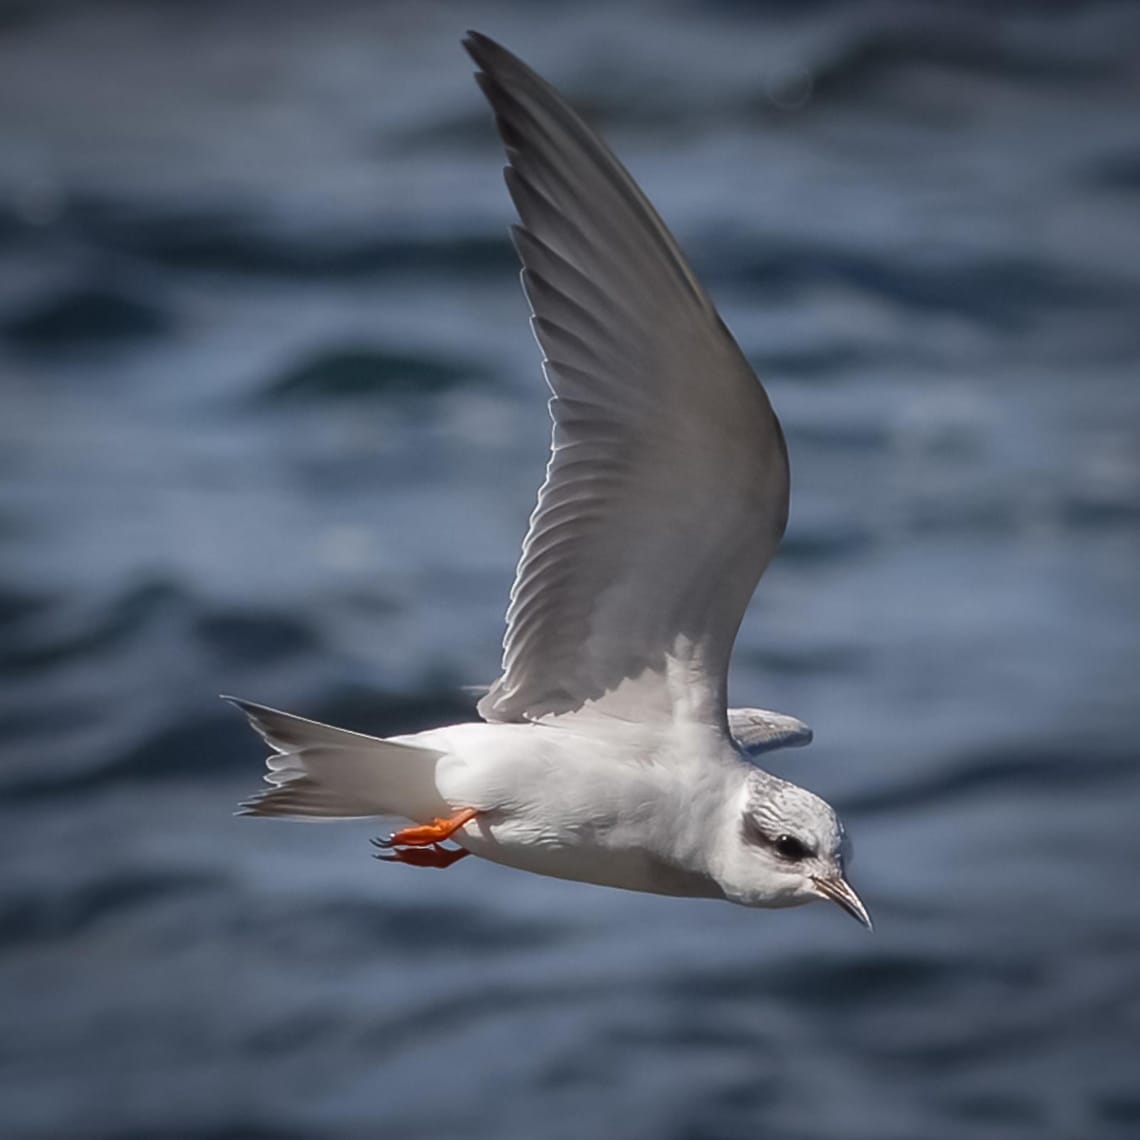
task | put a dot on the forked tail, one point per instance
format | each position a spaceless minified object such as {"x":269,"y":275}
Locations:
{"x":321,"y":772}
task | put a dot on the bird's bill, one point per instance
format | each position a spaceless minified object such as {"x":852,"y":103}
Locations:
{"x":839,"y":890}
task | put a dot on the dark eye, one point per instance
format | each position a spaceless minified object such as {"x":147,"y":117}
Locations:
{"x":789,"y":847}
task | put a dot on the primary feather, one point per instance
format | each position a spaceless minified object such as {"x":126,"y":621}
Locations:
{"x":667,"y":488}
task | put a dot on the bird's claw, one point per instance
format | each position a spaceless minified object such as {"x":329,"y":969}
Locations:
{"x":420,"y":845}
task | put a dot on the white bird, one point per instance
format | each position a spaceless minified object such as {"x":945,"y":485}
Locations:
{"x":606,"y":753}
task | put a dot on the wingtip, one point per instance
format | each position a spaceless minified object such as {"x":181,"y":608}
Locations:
{"x":476,"y":44}
{"x":238,"y":702}
{"x":249,"y":708}
{"x":490,"y":56}
{"x":476,"y":39}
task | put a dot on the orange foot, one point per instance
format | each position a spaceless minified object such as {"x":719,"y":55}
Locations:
{"x":434,"y":856}
{"x":420,"y":846}
{"x":435,"y":832}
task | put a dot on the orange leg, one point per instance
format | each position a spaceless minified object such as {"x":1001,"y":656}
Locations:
{"x":420,"y":846}
{"x":430,"y":833}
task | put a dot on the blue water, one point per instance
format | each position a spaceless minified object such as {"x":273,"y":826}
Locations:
{"x":271,"y":423}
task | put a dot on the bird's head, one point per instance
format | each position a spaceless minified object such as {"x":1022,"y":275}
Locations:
{"x":791,"y":849}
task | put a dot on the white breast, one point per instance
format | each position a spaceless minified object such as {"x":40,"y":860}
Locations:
{"x":615,"y":808}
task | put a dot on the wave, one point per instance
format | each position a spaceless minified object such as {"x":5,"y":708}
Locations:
{"x":29,"y":917}
{"x":364,"y":371}
{"x":1003,"y":293}
{"x":230,"y":240}
{"x":1052,"y":766}
{"x":80,"y":316}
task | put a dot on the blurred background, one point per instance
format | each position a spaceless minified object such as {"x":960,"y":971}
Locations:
{"x":271,"y":423}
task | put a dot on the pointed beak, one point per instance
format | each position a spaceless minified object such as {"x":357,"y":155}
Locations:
{"x":839,"y":891}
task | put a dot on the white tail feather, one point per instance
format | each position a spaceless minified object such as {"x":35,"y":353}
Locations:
{"x":321,"y":772}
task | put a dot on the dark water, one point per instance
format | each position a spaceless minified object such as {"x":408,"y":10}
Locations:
{"x":271,"y":423}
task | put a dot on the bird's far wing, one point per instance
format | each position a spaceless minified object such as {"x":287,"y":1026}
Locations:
{"x":666,"y":492}
{"x":758,"y":730}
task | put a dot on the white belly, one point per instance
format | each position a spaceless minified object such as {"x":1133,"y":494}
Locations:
{"x":598,"y":810}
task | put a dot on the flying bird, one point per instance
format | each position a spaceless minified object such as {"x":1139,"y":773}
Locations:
{"x":606,"y":752}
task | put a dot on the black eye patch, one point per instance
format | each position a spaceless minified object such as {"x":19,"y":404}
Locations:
{"x":790,"y":848}
{"x":786,"y":846}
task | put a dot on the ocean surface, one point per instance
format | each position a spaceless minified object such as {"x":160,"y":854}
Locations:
{"x":271,"y":423}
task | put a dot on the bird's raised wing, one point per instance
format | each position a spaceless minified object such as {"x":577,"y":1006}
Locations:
{"x":667,"y":488}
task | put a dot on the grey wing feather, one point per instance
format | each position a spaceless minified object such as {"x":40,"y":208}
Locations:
{"x":667,"y":488}
{"x":759,"y":730}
